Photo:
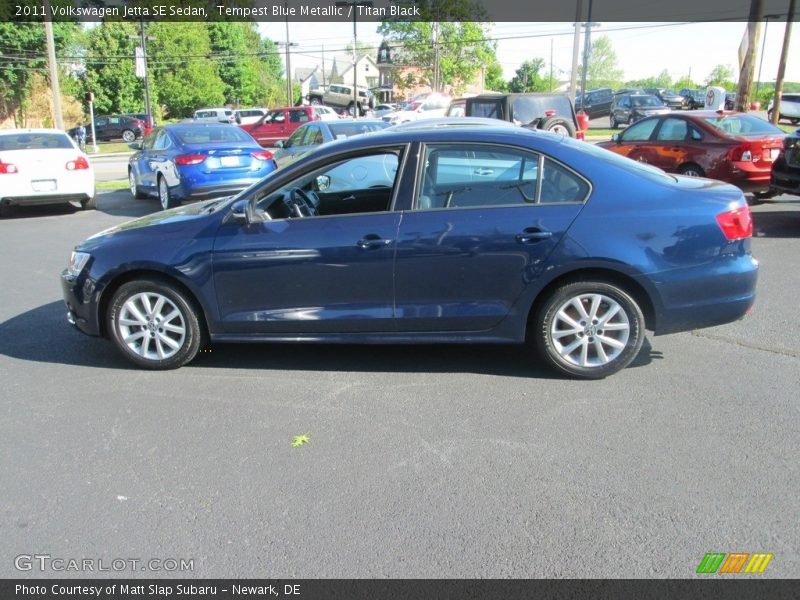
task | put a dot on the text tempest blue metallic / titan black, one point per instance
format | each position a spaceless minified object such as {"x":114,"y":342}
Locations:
{"x":449,"y":234}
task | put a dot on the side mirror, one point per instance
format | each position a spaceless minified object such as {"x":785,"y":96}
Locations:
{"x":280,"y":144}
{"x":240,"y":213}
{"x":615,"y":138}
{"x":135,"y":146}
{"x":323,"y":182}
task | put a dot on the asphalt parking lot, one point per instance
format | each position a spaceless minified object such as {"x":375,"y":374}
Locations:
{"x":455,"y":461}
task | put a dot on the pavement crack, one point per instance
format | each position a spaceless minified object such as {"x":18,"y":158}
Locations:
{"x":740,"y":343}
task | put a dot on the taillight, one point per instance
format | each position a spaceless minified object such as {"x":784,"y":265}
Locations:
{"x":743,"y":151}
{"x":262,"y":154}
{"x":78,"y":164}
{"x":189,"y":159}
{"x":736,"y":224}
{"x":7,"y":168}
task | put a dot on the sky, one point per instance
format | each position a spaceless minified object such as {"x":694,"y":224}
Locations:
{"x":643,"y":49}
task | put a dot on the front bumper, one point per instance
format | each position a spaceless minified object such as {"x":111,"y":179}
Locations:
{"x":80,"y":295}
{"x":785,"y":180}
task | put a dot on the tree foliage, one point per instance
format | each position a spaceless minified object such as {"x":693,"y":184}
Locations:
{"x":602,"y":69}
{"x":528,"y":77}
{"x":461,"y":44}
{"x":722,"y":76}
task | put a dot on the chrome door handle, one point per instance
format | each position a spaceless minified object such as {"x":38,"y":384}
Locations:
{"x":372,"y":242}
{"x":533,"y":235}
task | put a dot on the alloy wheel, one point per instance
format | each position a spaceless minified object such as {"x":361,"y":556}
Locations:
{"x":152,"y":326}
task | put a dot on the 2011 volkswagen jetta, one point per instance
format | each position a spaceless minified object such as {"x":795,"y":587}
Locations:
{"x":444,"y":234}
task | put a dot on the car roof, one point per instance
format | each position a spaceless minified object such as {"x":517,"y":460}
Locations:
{"x":449,"y":122}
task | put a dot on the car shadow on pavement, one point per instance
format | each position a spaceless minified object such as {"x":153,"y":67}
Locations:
{"x":43,"y":335}
{"x":776,"y":224}
{"x":120,"y":203}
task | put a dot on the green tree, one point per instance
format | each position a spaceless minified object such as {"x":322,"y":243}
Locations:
{"x":602,"y":70}
{"x":110,"y":71}
{"x":493,"y":78}
{"x":461,"y":47}
{"x":178,"y":60}
{"x":528,"y":79}
{"x":23,"y":54}
{"x":722,"y":76}
{"x":271,"y":82}
{"x":238,"y":47}
{"x":686,"y":82}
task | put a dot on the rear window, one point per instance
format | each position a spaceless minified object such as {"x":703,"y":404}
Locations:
{"x":34,"y":141}
{"x":743,"y":125}
{"x":525,"y":109}
{"x":205,"y":135}
{"x":489,"y":109}
{"x":343,"y":130}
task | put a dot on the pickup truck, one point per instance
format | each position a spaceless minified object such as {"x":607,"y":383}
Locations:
{"x":341,"y":96}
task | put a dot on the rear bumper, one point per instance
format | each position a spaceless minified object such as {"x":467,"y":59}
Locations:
{"x":40,"y":199}
{"x":719,"y":293}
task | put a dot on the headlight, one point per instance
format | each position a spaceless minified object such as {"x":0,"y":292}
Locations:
{"x":76,"y":263}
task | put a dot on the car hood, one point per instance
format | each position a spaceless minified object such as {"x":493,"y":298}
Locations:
{"x":166,"y":221}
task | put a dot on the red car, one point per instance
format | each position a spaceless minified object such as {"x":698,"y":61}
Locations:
{"x":734,"y":147}
{"x":279,"y":124}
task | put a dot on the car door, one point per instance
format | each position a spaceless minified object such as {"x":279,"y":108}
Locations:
{"x":467,"y":249}
{"x":100,"y":128}
{"x":330,"y":273}
{"x":271,"y":128}
{"x":292,"y":148}
{"x":635,"y":141}
{"x":671,"y":144}
{"x":142,"y":162}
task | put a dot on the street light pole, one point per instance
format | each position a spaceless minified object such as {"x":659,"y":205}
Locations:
{"x":51,"y":62}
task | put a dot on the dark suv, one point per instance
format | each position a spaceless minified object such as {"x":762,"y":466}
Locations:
{"x":114,"y":127}
{"x":550,"y":112}
{"x":595,"y":103}
{"x":694,"y":98}
{"x":786,"y":168}
{"x":629,"y":108}
{"x":668,"y":97}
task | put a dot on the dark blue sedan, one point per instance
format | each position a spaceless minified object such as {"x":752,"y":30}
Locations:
{"x":453,"y":234}
{"x":195,"y":162}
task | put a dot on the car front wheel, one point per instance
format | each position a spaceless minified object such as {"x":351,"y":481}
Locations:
{"x":589,"y":329}
{"x":153,"y":324}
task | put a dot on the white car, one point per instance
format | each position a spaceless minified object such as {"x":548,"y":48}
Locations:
{"x":214,"y":115}
{"x":43,"y":166}
{"x":326,"y":113}
{"x":790,"y":108}
{"x":246,"y":116}
{"x":434,"y":105}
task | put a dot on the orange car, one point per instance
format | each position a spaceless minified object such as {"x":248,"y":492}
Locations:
{"x":734,"y":147}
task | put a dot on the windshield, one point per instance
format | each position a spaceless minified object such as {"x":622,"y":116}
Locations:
{"x":745,"y":125}
{"x":646,"y":101}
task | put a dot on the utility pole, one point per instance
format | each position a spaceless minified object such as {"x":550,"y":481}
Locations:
{"x":587,"y":47}
{"x":288,"y":44}
{"x":323,"y":67}
{"x":354,"y":4}
{"x":551,"y":65}
{"x":51,"y":63}
{"x":141,"y":69}
{"x":745,"y":87}
{"x":576,"y":44}
{"x":787,"y":35}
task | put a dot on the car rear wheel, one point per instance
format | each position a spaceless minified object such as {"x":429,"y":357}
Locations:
{"x":154,"y":325}
{"x":691,"y":171}
{"x":135,"y":191}
{"x":315,"y":101}
{"x":164,"y":195}
{"x":128,"y":136}
{"x":559,"y":125}
{"x":589,"y":329}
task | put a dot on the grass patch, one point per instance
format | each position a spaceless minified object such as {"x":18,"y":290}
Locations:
{"x":111,"y":186}
{"x":108,"y":148}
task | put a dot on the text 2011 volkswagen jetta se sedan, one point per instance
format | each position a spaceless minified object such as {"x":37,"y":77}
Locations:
{"x":447,"y":234}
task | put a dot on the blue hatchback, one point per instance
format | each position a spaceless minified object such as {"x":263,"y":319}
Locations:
{"x":450,"y":234}
{"x":195,"y":162}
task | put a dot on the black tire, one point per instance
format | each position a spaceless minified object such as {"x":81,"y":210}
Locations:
{"x":628,"y":323}
{"x":128,"y":136}
{"x":5,"y":210}
{"x":120,"y":327}
{"x":315,"y":101}
{"x":613,"y":122}
{"x":559,"y":125}
{"x":165,"y":195}
{"x":691,"y":170}
{"x":89,"y":203}
{"x":136,"y":191}
{"x":351,"y":110}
